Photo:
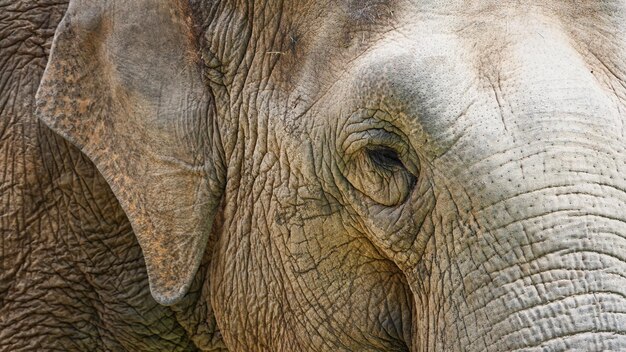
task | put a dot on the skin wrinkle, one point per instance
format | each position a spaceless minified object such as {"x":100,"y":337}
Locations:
{"x":574,"y":297}
{"x":301,"y":257}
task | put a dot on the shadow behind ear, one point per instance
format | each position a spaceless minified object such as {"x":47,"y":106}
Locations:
{"x":122,"y":85}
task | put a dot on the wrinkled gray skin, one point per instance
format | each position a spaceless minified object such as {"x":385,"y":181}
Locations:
{"x":353,"y":175}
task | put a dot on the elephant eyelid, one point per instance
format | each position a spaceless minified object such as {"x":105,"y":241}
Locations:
{"x":391,"y":151}
{"x":372,"y":139}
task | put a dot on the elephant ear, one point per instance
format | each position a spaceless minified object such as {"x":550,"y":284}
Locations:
{"x":122,"y":84}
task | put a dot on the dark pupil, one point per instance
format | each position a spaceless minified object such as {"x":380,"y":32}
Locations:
{"x":385,"y":157}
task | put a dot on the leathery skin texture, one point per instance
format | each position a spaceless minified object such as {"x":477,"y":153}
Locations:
{"x":72,"y":277}
{"x":373,"y":175}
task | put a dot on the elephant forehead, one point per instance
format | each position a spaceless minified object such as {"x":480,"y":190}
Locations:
{"x":340,"y":34}
{"x":422,"y":87}
{"x":436,"y":67}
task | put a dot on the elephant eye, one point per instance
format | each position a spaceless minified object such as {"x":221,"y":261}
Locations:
{"x":379,"y":170}
{"x":385,"y":157}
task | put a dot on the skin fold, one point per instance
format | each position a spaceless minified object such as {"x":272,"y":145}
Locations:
{"x":379,"y":175}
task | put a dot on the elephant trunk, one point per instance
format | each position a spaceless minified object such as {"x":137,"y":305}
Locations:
{"x":527,"y":254}
{"x":543,"y":268}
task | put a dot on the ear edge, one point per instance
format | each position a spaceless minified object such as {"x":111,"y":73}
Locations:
{"x":170,"y":276}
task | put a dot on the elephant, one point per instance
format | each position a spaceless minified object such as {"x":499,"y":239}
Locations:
{"x":271,"y":175}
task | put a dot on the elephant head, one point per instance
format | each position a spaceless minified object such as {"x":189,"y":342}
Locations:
{"x":370,"y":175}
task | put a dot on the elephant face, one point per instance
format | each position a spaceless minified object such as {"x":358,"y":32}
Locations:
{"x":369,"y":175}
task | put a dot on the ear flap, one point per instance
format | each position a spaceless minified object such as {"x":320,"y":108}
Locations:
{"x":122,"y":85}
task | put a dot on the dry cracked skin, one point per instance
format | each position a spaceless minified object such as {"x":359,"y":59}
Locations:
{"x":274,"y":175}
